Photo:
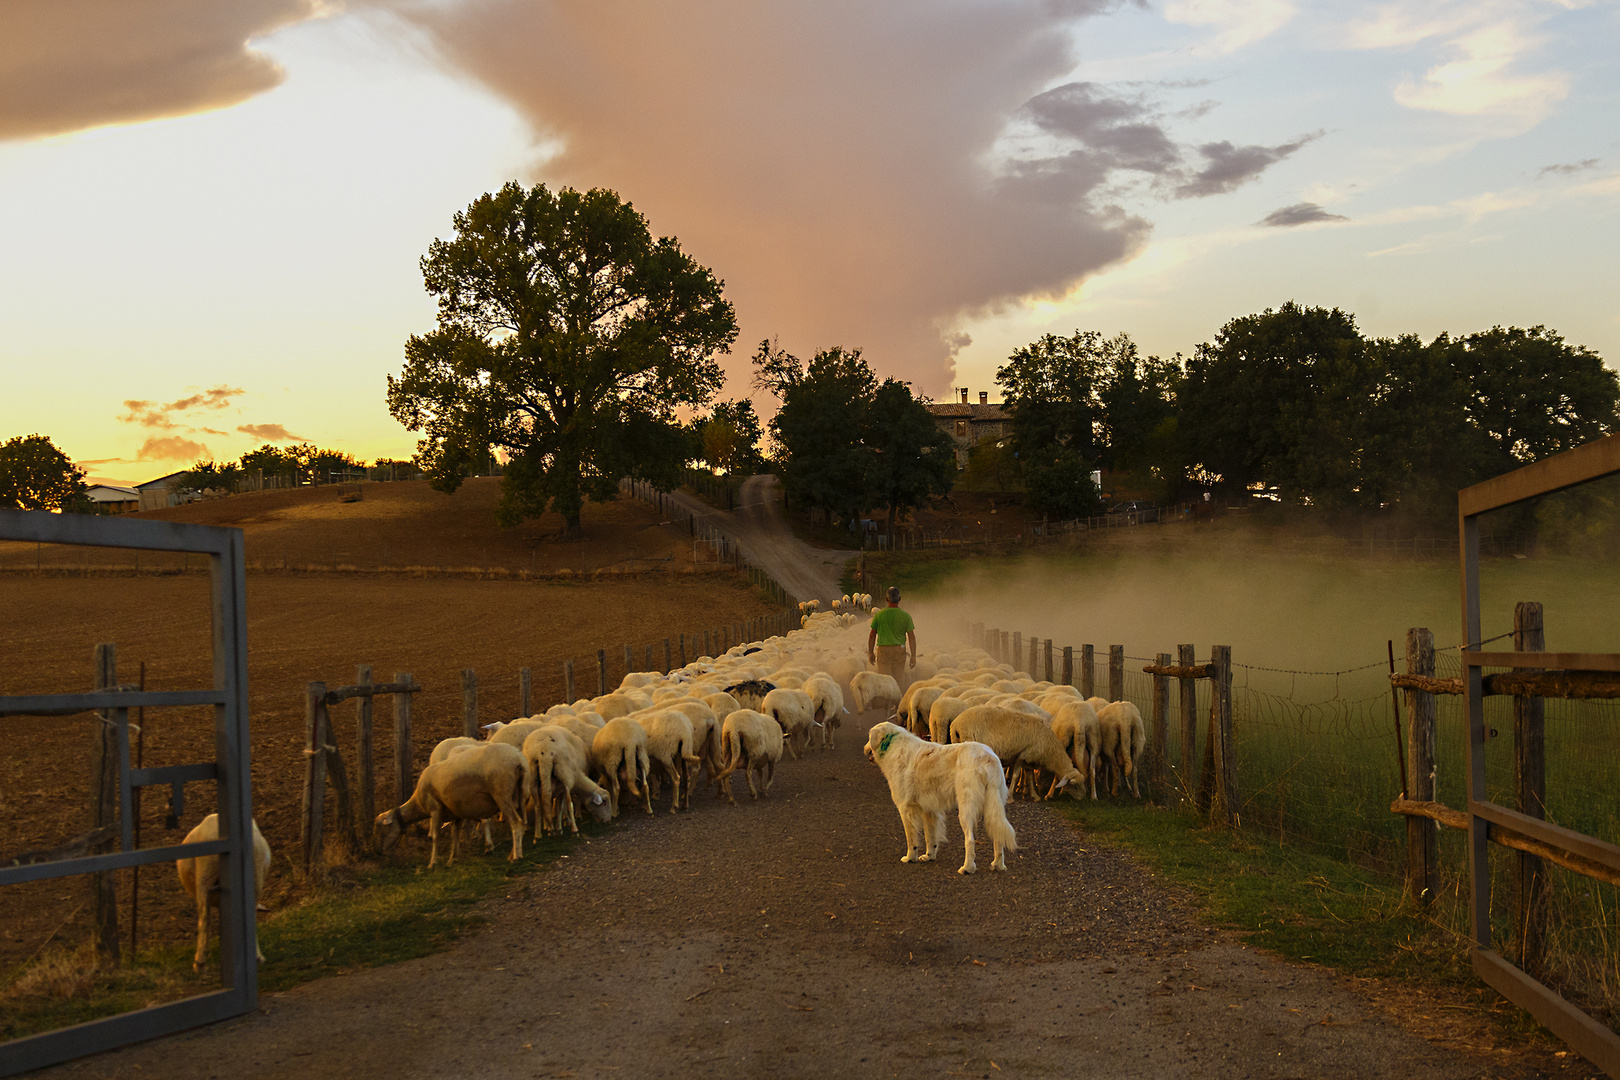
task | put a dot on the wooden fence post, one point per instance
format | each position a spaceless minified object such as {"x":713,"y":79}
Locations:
{"x":568,"y":682}
{"x":525,"y":691}
{"x":404,"y":782}
{"x":1422,"y":834}
{"x":1226,"y":793}
{"x":1187,"y":656}
{"x":707,"y":650}
{"x":1016,"y":657}
{"x":1159,"y":765}
{"x":683,"y":650}
{"x":1048,"y":659}
{"x":1009,"y":655}
{"x":314,"y":807}
{"x":469,"y":703}
{"x":1034,"y":656}
{"x":667,"y":658}
{"x":601,"y":672}
{"x":1068,"y":665}
{"x":104,"y":790}
{"x":629,"y":660}
{"x":1530,"y":787}
{"x":992,"y":644}
{"x":365,"y":766}
{"x":1088,"y":673}
{"x":1116,"y":673}
{"x":343,"y":805}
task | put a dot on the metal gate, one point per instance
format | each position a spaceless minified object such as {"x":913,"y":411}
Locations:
{"x":1593,"y":1040}
{"x":228,"y":696}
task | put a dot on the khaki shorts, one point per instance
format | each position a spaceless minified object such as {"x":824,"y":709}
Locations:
{"x":892,"y":661}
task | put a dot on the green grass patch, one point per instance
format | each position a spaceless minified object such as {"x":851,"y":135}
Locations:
{"x":1298,"y":904}
{"x":365,"y":916}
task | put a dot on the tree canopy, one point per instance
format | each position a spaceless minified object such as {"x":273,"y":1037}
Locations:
{"x":1298,"y":401}
{"x":847,"y":441}
{"x":567,"y":336}
{"x":35,"y":475}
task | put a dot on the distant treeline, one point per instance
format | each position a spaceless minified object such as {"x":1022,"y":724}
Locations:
{"x":1297,"y":406}
{"x":303,"y":463}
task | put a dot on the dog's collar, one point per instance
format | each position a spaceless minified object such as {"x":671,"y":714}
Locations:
{"x":883,"y":744}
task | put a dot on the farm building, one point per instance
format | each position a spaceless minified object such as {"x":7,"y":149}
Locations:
{"x":110,"y":499}
{"x":163,"y":492}
{"x":967,"y":424}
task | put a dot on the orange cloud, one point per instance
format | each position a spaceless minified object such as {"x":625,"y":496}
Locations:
{"x":270,"y":433}
{"x":152,"y":414}
{"x":173,"y":448}
{"x":69,"y":66}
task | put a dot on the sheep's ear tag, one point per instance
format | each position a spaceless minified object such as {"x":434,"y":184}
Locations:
{"x":883,"y":745}
{"x":598,"y":799}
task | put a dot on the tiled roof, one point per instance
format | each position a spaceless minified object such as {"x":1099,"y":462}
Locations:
{"x":955,"y":410}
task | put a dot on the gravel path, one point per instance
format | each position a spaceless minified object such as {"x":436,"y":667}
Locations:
{"x":768,"y":543}
{"x":784,"y":938}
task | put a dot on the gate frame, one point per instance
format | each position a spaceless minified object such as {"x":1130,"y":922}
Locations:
{"x":230,"y":769}
{"x":1591,"y":461}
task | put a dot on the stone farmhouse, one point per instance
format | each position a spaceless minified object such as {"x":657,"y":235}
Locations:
{"x":967,"y":424}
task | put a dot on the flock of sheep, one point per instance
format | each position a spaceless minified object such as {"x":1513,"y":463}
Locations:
{"x":736,"y":712}
{"x":657,"y":733}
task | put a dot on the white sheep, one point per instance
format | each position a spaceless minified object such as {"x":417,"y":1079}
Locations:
{"x":1124,"y":737}
{"x":558,"y":762}
{"x":872,"y":690}
{"x":1077,"y":729}
{"x":467,"y":786}
{"x":941,"y":713}
{"x":619,"y":754}
{"x":828,"y":701}
{"x":1018,"y":740}
{"x":753,"y":743}
{"x":670,"y":743}
{"x":199,"y":877}
{"x":795,"y":712}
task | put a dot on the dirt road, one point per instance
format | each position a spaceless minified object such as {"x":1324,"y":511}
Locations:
{"x":785,"y":939}
{"x":767,"y":542}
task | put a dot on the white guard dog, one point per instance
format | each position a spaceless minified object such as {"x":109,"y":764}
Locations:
{"x":927,"y":779}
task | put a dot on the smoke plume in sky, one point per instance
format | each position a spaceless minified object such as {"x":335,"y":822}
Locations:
{"x":831,"y":162}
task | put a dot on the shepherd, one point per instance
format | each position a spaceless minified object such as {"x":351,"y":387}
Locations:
{"x":892,"y":633}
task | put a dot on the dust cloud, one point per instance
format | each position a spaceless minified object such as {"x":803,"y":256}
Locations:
{"x":1275,"y":610}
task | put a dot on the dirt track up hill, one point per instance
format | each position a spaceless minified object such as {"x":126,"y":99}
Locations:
{"x":767,"y":541}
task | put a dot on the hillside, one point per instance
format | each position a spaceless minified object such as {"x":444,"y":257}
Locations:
{"x":409,"y":525}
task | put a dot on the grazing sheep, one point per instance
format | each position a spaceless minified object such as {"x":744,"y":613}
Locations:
{"x":1017,"y":738}
{"x":915,"y":704}
{"x":447,"y":747}
{"x":750,"y":692}
{"x":753,"y":743}
{"x":558,"y":762}
{"x":612,"y":706}
{"x":872,"y":690}
{"x":795,"y":712}
{"x":1124,"y":737}
{"x":942,"y":713}
{"x":619,"y":753}
{"x":199,"y":877}
{"x":469,"y":786}
{"x":514,"y":733}
{"x":829,"y":705}
{"x":669,"y":747}
{"x":1077,"y":729}
{"x":705,"y":731}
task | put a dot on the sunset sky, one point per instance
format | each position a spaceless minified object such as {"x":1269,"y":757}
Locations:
{"x":211,"y":212}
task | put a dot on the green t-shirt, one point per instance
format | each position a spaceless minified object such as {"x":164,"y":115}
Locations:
{"x":892,"y":626}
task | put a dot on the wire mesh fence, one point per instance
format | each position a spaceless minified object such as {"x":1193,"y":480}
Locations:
{"x":1319,"y":762}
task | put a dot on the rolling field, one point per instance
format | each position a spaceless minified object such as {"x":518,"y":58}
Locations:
{"x":314,"y":625}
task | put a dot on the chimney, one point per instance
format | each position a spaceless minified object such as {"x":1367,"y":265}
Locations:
{"x":964,"y":395}
{"x":984,"y":397}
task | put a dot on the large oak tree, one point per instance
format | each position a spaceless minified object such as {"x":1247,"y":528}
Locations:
{"x":567,"y":336}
